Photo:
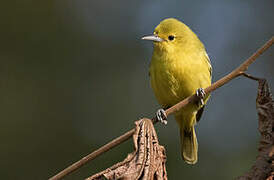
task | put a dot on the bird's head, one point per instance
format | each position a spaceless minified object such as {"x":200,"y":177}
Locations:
{"x":171,"y":34}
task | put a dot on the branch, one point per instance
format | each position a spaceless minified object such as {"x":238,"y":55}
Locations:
{"x":235,"y":73}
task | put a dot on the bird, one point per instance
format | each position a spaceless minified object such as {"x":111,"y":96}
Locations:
{"x":180,"y":67}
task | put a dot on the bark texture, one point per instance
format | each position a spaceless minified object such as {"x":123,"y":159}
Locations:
{"x":147,"y":162}
{"x":263,"y":166}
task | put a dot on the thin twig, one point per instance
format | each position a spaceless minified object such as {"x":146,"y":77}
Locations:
{"x":250,"y":77}
{"x":235,"y":73}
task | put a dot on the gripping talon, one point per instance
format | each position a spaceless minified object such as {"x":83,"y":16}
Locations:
{"x":200,"y":93}
{"x":161,"y":116}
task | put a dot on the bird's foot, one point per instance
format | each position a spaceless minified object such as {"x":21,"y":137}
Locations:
{"x":161,"y":116}
{"x":200,"y":93}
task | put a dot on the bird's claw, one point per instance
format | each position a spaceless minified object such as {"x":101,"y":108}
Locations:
{"x":200,"y":93}
{"x":161,"y":116}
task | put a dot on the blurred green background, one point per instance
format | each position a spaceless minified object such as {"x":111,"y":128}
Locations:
{"x":74,"y":75}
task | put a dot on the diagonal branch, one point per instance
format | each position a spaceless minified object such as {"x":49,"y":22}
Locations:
{"x":235,"y":73}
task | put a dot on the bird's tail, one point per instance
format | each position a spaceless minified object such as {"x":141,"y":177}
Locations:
{"x":189,"y":145}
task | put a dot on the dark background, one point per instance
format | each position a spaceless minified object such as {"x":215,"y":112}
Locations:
{"x":74,"y":75}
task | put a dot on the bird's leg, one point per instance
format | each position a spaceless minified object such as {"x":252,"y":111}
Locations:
{"x":161,"y":116}
{"x":200,"y":93}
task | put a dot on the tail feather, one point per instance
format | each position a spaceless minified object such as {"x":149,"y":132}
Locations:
{"x":189,"y":145}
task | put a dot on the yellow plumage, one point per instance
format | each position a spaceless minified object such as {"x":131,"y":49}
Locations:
{"x":179,"y":66}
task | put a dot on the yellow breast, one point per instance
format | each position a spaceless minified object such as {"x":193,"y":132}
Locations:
{"x":177,"y":76}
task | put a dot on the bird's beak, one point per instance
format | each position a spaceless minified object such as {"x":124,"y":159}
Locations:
{"x":153,"y":38}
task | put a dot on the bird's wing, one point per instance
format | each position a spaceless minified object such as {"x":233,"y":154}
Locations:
{"x":200,"y":112}
{"x":209,"y":64}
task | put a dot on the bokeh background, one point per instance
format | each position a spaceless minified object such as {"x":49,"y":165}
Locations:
{"x":74,"y":75}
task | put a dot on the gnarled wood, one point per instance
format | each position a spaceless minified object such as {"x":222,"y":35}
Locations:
{"x":264,"y":166}
{"x":147,"y":162}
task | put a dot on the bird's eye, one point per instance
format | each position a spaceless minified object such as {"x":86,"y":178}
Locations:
{"x":171,"y":37}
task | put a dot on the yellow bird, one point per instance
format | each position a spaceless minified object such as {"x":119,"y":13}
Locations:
{"x":180,"y":67}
